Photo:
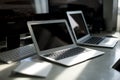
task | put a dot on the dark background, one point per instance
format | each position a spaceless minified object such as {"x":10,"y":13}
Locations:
{"x":14,"y":15}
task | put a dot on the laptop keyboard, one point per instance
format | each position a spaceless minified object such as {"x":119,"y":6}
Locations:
{"x":65,"y":53}
{"x":17,"y":54}
{"x":94,"y":40}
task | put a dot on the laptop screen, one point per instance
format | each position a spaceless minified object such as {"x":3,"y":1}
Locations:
{"x":51,"y":35}
{"x":78,"y":25}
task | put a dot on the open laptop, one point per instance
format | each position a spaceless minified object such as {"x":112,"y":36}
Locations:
{"x":81,"y":32}
{"x":54,"y":42}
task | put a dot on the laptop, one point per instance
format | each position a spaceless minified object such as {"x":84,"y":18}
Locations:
{"x":55,"y":43}
{"x":81,"y":32}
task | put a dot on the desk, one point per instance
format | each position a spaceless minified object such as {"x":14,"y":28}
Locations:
{"x":96,"y":69}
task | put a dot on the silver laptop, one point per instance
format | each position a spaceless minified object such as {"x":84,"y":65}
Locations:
{"x":81,"y":32}
{"x":54,"y":42}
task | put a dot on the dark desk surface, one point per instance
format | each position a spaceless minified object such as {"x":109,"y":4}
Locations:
{"x":95,"y":69}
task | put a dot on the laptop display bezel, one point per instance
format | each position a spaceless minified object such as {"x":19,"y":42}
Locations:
{"x":85,"y":37}
{"x":43,"y":52}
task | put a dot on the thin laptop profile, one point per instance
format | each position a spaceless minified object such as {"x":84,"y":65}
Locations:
{"x":81,"y":32}
{"x":51,"y":45}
